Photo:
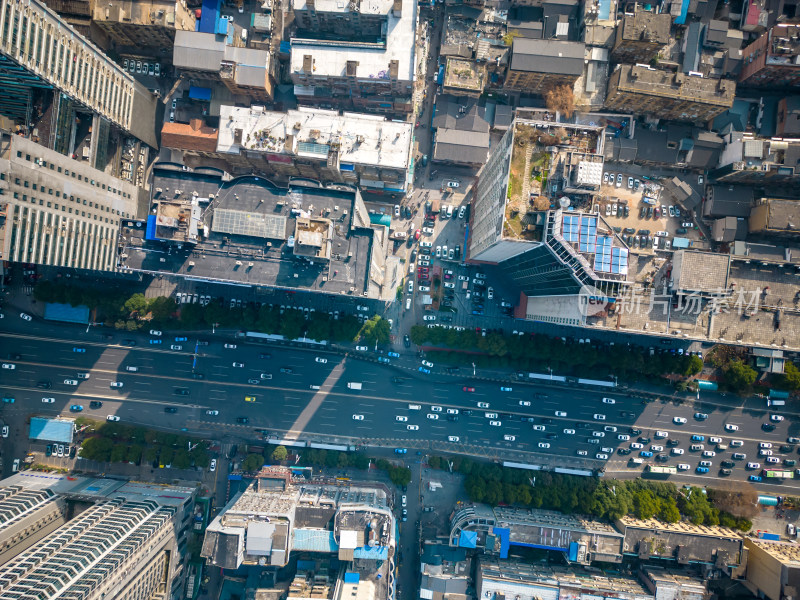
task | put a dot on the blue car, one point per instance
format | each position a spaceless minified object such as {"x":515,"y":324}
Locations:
{"x":383,"y":359}
{"x":80,"y":350}
{"x":424,"y":370}
{"x":181,"y":339}
{"x":704,"y":470}
{"x":400,"y":450}
{"x":393,"y":354}
{"x":645,"y":454}
{"x":477,"y":312}
{"x":698,"y":438}
{"x":8,"y":399}
{"x":76,"y":408}
{"x":155,"y":341}
{"x":754,"y":478}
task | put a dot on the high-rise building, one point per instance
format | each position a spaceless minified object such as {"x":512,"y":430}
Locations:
{"x":81,"y":538}
{"x":538,"y":66}
{"x":39,"y":50}
{"x":138,"y":23}
{"x":773,"y":60}
{"x":640,"y":36}
{"x":58,"y":211}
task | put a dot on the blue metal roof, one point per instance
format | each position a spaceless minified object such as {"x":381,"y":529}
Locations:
{"x":373,"y":553}
{"x":199,"y":93}
{"x":66,"y":313}
{"x":51,"y":430}
{"x":314,"y":540}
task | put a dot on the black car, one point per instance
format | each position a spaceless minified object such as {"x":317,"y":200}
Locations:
{"x":233,"y":451}
{"x":453,"y":418}
{"x":242,"y":420}
{"x":547,"y":421}
{"x":727,"y":464}
{"x":623,"y":451}
{"x":451,"y":369}
{"x":662,"y":458}
{"x":787,"y":448}
{"x":198,"y":376}
{"x":467,"y":412}
{"x":634,"y":431}
{"x":95,"y":404}
{"x":768,"y":427}
{"x":407,"y":341}
{"x":286,"y":370}
{"x":265,"y":355}
{"x":72,"y":451}
{"x":789,"y":462}
{"x":398,"y":379}
{"x":45,"y":385}
{"x":128,"y":342}
{"x":170,"y":409}
{"x":551,"y":436}
{"x":180,"y":392}
{"x":673,"y":443}
{"x":644,"y":440}
{"x":202,"y":342}
{"x":15,"y":357}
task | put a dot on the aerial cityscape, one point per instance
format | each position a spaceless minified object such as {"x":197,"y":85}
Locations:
{"x":397,"y":299}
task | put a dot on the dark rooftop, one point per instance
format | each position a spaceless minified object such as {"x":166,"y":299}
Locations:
{"x":547,"y":56}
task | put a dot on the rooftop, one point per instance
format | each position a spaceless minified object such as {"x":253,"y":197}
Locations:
{"x":460,"y":74}
{"x":782,"y":215}
{"x":784,"y":552}
{"x":547,"y":56}
{"x":700,"y":272}
{"x":149,"y":13}
{"x":317,"y":135}
{"x":365,"y":7}
{"x":652,"y":82}
{"x":249,"y":231}
{"x":647,"y":26}
{"x":372,"y":61}
{"x":784,"y":45}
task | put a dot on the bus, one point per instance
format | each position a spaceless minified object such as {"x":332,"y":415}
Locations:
{"x":778,"y":473}
{"x":663,"y":470}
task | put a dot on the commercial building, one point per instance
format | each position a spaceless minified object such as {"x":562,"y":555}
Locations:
{"x":772,"y":568}
{"x":673,"y":584}
{"x":58,"y":211}
{"x":371,"y":75}
{"x":140,"y":24}
{"x":773,"y":219}
{"x":364,"y":19}
{"x":363,"y":150}
{"x":277,"y":516}
{"x":537,"y":66}
{"x":81,"y":538}
{"x":496,"y":531}
{"x":669,"y":96}
{"x":640,"y":36}
{"x":250,"y":232}
{"x":772,"y":60}
{"x":768,"y":162}
{"x":40,"y":51}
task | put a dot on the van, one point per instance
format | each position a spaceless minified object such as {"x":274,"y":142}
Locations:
{"x":776,"y":402}
{"x":636,"y":461}
{"x":449,"y":211}
{"x":244,"y":35}
{"x":408,"y":303}
{"x":722,"y":447}
{"x":414,"y":407}
{"x":314,"y":387}
{"x":132,"y":369}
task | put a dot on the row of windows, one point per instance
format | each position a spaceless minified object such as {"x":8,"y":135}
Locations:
{"x":74,"y":175}
{"x":65,"y":208}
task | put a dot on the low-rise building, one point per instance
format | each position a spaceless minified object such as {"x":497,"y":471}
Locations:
{"x":136,"y":24}
{"x":462,"y":132}
{"x":771,"y":61}
{"x":768,"y":162}
{"x":640,"y":36}
{"x":773,"y":219}
{"x":444,"y":570}
{"x":669,"y":96}
{"x":538,"y":66}
{"x":673,"y":584}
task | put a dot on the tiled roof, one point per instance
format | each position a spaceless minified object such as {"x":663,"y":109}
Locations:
{"x":191,"y":136}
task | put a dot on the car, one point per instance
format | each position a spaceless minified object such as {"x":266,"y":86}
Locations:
{"x":213,"y":465}
{"x":544,"y":445}
{"x":483,"y":405}
{"x":238,"y":365}
{"x":496,"y":423}
{"x":701,"y":470}
{"x":753,"y":466}
{"x":560,"y":413}
{"x":25,"y":317}
{"x":116,"y":384}
{"x":424,"y":370}
{"x":249,"y":398}
{"x":155,"y":341}
{"x":754,"y":478}
{"x":765,"y":452}
{"x":739,"y":456}
{"x":9,"y":366}
{"x":358,"y":417}
{"x":429,"y":318}
{"x":79,"y":350}
{"x":506,"y":389}
{"x":623,"y":451}
{"x":112,"y":418}
{"x":70,"y":382}
{"x":623,"y":437}
{"x":48,"y":400}
{"x":630,"y":182}
{"x":793,"y":440}
{"x":170,"y":409}
{"x":393,"y":354}
{"x":700,"y":416}
{"x":181,"y":339}
{"x":609,"y":401}
{"x":731,"y":427}
{"x":680,"y":420}
{"x":715,"y":440}
{"x":524,"y":402}
{"x":776,"y":418}
{"x":212,"y":413}
{"x":412,"y":427}
{"x":677,"y":451}
{"x":767,"y":426}
{"x":765,"y":445}
{"x":319,"y":359}
{"x":601,"y":456}
{"x":598,"y":434}
{"x":599,"y":417}
{"x":181,"y":391}
{"x":510,"y":438}
{"x":656,"y":448}
{"x":362,"y":348}
{"x":427,"y":363}
{"x":698,"y":438}
{"x":176,"y":347}
{"x":709,"y":453}
{"x":645,"y":454}
{"x":619,"y":180}
{"x":242,"y":420}
{"x":76,"y":408}
{"x":95,"y":404}
{"x":539,"y":428}
{"x":401,"y":419}
{"x":773,"y":460}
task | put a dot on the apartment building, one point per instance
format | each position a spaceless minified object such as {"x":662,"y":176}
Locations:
{"x":773,"y":60}
{"x":365,"y":18}
{"x":669,"y":96}
{"x":142,"y":24}
{"x":59,"y":211}
{"x":363,"y":74}
{"x":537,"y":66}
{"x":82,"y":538}
{"x":40,"y":50}
{"x":769,"y":162}
{"x":640,"y":36}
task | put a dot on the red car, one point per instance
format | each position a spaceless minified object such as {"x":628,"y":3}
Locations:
{"x":416,"y":234}
{"x":446,"y":276}
{"x":422,"y":269}
{"x":468,"y":389}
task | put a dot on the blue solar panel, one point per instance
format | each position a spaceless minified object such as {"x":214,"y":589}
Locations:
{"x":602,"y":258}
{"x":588,"y":233}
{"x":619,"y":261}
{"x":571,"y":228}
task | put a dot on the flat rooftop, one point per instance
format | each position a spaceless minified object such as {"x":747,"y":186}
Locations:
{"x":785,"y":552}
{"x":653,"y":82}
{"x":365,"y":7}
{"x":250,"y":235}
{"x":331,"y":57}
{"x":647,"y":26}
{"x":360,"y":139}
{"x":461,"y":74}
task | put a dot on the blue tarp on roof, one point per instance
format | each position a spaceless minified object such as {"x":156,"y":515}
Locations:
{"x":468,"y":539}
{"x":51,"y":430}
{"x":222,"y":27}
{"x":440,"y":76}
{"x":381,"y":220}
{"x":680,"y":242}
{"x":150,"y":230}
{"x":681,"y":20}
{"x":505,"y":535}
{"x":209,"y":16}
{"x":314,"y":540}
{"x":376,"y":553}
{"x":351,"y":577}
{"x":66,"y":313}
{"x":199,"y":93}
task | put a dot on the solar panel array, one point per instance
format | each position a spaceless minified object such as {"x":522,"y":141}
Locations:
{"x":609,"y":259}
{"x":239,"y":222}
{"x":588,"y":234}
{"x":582,"y":231}
{"x":571,"y":228}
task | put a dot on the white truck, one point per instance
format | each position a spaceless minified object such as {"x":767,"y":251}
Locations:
{"x":354,"y":386}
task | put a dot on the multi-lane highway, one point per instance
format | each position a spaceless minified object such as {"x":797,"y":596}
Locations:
{"x":284,"y":390}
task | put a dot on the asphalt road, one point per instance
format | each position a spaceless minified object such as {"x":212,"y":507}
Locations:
{"x":286,"y":403}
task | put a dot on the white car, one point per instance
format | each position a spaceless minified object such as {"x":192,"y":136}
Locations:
{"x":544,"y":445}
{"x":432,"y":416}
{"x":765,"y":452}
{"x":510,"y":438}
{"x":412,"y":427}
{"x":404,"y":500}
{"x":561,"y":413}
{"x":490,"y":293}
{"x":4,"y":431}
{"x":230,"y":346}
{"x":496,"y":423}
{"x":715,"y":440}
{"x":450,"y":411}
{"x":684,"y":467}
{"x":176,"y":347}
{"x":569,"y":431}
{"x":116,"y":384}
{"x":524,"y":403}
{"x":213,"y":466}
{"x":429,"y":318}
{"x":731,"y":427}
{"x":358,"y":417}
{"x":709,"y":453}
{"x":598,"y":434}
{"x":401,"y":419}
{"x":155,"y":332}
{"x":70,"y":382}
{"x":583,"y":453}
{"x":449,"y":286}
{"x":636,"y":446}
{"x":609,"y":401}
{"x":765,"y":445}
{"x":49,"y":400}
{"x":483,"y":405}
{"x":212,"y":413}
{"x":598,"y":417}
{"x":427,"y":363}
{"x":9,"y":366}
{"x":753,"y":466}
{"x":773,"y":459}
{"x":676,"y":451}
{"x":776,"y":418}
{"x":453,"y":438}
{"x":112,"y":418}
{"x":737,"y":443}
{"x":656,"y":448}
{"x":238,"y":365}
{"x":424,"y":288}
{"x":321,"y":360}
{"x":362,"y":348}
{"x":25,"y":317}
{"x":601,"y":456}
{"x":623,"y":437}
{"x":661,"y":434}
{"x":538,"y":428}
{"x":679,"y":421}
{"x":427,"y":231}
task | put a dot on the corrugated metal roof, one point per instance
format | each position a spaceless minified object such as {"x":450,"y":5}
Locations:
{"x":754,"y":149}
{"x":197,"y":51}
{"x":313,"y":540}
{"x":51,"y":430}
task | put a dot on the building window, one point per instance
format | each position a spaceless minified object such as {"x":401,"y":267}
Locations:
{"x":26,"y":183}
{"x":28,"y":157}
{"x":19,"y":154}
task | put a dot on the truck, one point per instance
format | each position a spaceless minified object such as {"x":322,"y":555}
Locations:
{"x":354,"y":386}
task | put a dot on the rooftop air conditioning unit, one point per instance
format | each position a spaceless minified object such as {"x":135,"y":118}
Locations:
{"x":352,"y":289}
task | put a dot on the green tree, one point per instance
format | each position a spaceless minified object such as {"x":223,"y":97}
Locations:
{"x":119,"y":453}
{"x":418,"y":334}
{"x":376,"y":330}
{"x":252,"y":463}
{"x":136,"y":305}
{"x":182,"y":459}
{"x":669,"y":512}
{"x":789,"y":379}
{"x":279,"y":454}
{"x":97,"y":448}
{"x":739,"y":376}
{"x":694,"y":366}
{"x":191,"y":315}
{"x":292,"y":324}
{"x":134,"y":453}
{"x":201,"y":457}
{"x":161,"y":308}
{"x":645,"y":505}
{"x":151,"y":454}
